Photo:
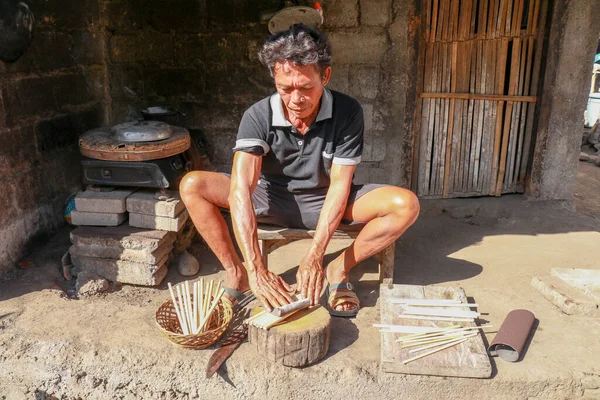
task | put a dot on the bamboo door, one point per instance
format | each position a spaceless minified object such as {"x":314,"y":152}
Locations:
{"x":478,"y":63}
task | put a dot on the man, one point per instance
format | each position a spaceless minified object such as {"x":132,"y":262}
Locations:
{"x":295,"y":157}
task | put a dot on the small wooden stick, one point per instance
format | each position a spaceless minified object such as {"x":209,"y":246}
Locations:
{"x":443,"y":333}
{"x":454,"y":343}
{"x":175,"y":306}
{"x":408,"y":310}
{"x":431,"y":332}
{"x":255,"y":316}
{"x":424,"y":301}
{"x":438,"y":344}
{"x":188,"y":304}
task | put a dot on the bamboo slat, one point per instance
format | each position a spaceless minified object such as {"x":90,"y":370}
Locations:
{"x":449,"y":143}
{"x":479,"y":96}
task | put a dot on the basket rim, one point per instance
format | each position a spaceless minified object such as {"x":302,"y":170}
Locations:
{"x":182,"y":335}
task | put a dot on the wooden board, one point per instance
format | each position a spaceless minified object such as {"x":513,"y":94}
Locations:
{"x":99,"y":144}
{"x":467,"y":360}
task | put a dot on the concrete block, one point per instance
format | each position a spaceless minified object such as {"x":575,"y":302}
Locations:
{"x":103,"y":202}
{"x":122,"y":271}
{"x":364,"y":81}
{"x":341,"y":13}
{"x":375,"y":12}
{"x":123,"y":237}
{"x":118,"y":253}
{"x":358,"y":47}
{"x":161,"y":223}
{"x":570,"y":300}
{"x":144,"y":202}
{"x":97,"y":219}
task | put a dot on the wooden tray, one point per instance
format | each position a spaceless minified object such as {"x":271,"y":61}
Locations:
{"x":468,"y":359}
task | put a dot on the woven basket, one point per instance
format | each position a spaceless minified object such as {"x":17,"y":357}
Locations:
{"x":167,"y":321}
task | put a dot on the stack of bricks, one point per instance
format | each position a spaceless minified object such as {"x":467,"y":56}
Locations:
{"x":101,"y":208}
{"x":136,"y":252}
{"x":152,"y":210}
{"x":122,"y":254}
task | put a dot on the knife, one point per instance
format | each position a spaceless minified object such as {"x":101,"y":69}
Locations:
{"x":234,"y":339}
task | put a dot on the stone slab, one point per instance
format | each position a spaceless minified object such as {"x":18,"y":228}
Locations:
{"x":97,"y":218}
{"x":118,"y":253}
{"x":103,"y":202}
{"x":160,"y":223}
{"x":144,"y":202}
{"x":124,"y":236}
{"x":564,"y":296}
{"x":122,"y":271}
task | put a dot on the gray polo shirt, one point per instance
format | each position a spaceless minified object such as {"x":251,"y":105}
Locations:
{"x":301,"y":163}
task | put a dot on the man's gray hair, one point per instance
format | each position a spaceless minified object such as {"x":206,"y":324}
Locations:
{"x":299,"y":45}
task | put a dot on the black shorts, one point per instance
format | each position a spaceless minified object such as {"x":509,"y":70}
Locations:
{"x":300,"y":211}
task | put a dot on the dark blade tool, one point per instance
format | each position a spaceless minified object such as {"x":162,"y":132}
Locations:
{"x":234,"y":337}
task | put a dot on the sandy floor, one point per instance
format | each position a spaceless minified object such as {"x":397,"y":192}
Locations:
{"x":108,"y":346}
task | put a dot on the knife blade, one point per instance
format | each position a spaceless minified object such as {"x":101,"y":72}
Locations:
{"x":236,"y":336}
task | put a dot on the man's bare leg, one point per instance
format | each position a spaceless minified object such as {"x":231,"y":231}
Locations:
{"x":203,"y":193}
{"x":389,"y":211}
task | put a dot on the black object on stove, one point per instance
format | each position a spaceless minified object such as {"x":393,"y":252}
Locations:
{"x":162,"y":173}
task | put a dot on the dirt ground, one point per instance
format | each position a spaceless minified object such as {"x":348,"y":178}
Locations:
{"x":53,"y":346}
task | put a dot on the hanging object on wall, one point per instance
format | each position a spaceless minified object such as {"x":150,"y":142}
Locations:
{"x":16,"y":28}
{"x":295,"y":14}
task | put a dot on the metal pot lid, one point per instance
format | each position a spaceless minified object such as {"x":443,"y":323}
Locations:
{"x":159,"y":111}
{"x":142,"y":131}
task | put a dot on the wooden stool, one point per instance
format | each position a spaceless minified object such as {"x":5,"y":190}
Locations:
{"x":273,"y":237}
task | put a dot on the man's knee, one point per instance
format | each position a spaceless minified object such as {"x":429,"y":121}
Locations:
{"x":406,"y":204}
{"x":192,"y":184}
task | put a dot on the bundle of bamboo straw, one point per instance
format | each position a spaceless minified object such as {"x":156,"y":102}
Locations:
{"x":436,"y":340}
{"x":195,"y":305}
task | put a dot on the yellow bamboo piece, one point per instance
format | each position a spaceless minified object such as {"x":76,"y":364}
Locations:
{"x":434,"y":340}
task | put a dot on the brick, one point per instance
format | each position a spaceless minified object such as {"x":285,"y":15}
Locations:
{"x":176,"y":15}
{"x":160,"y":223}
{"x":65,"y":14}
{"x":123,"y":236}
{"x":122,"y":271}
{"x":228,"y":15}
{"x":341,"y":13}
{"x":359,"y":47}
{"x":364,"y":81}
{"x":124,"y":15}
{"x":126,"y":82}
{"x":144,"y":202}
{"x":242,"y":85}
{"x":118,"y":253}
{"x":187,"y":84}
{"x":158,"y":49}
{"x":17,"y":147}
{"x":63,"y":131}
{"x":103,"y":202}
{"x":41,"y":95}
{"x":97,"y":219}
{"x":212,"y":116}
{"x":340,"y":78}
{"x":375,"y":12}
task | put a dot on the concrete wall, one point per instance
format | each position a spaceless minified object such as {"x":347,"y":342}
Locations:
{"x":200,"y":57}
{"x":53,"y":93}
{"x":572,"y":42}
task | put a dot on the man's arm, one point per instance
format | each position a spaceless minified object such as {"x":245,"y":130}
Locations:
{"x":310,"y":274}
{"x":268,"y":287}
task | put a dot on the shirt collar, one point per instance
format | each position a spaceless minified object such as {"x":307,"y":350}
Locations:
{"x":325,"y":112}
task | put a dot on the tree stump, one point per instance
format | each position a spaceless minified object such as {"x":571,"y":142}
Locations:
{"x":301,"y":340}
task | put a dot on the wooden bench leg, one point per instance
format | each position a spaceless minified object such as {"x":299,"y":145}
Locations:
{"x":386,"y":265}
{"x":269,"y":245}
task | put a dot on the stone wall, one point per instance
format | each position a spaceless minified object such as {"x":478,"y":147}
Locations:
{"x":199,"y":56}
{"x":53,"y":93}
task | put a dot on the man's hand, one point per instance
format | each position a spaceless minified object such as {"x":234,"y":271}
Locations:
{"x":310,"y":278}
{"x":269,"y":288}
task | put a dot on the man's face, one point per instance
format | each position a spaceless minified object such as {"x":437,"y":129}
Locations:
{"x":300,"y":87}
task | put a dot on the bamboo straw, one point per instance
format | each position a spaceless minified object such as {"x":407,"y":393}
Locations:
{"x":425,"y":301}
{"x":437,"y":344}
{"x":447,"y":332}
{"x":212,"y":308}
{"x":451,"y":344}
{"x":431,"y":331}
{"x":175,"y":306}
{"x":184,"y":326}
{"x":430,"y":318}
{"x":440,"y":312}
{"x":436,"y":340}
